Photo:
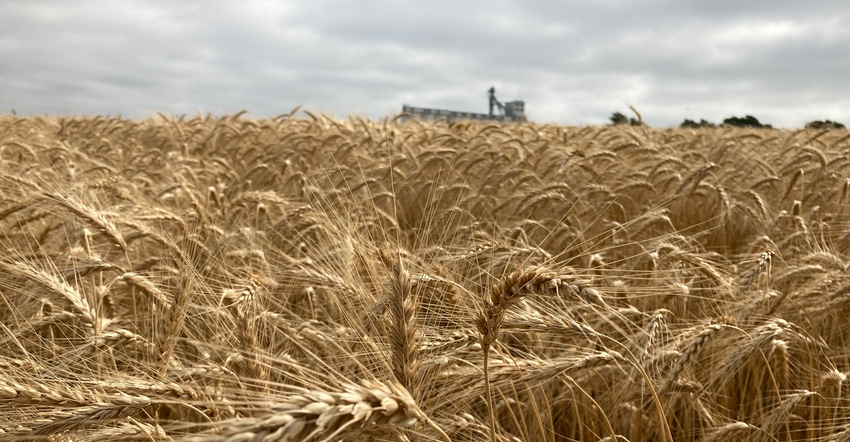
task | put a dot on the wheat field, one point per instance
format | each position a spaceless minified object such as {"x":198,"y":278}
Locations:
{"x":309,"y":278}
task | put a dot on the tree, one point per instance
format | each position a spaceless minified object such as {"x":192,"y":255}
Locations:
{"x":618,"y":118}
{"x":692,"y":123}
{"x":824,"y":124}
{"x":746,"y":121}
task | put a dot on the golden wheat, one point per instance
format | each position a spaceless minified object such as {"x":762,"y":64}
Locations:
{"x":230,"y":278}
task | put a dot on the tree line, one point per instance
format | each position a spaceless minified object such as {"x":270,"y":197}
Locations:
{"x":617,"y":118}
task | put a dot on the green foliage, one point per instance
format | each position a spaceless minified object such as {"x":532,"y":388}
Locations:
{"x":618,"y":118}
{"x":746,"y":121}
{"x":692,"y":123}
{"x":824,"y":124}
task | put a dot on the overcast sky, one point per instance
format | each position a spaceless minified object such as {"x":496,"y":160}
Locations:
{"x":572,"y":62}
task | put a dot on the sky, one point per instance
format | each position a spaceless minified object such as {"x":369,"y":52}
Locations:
{"x":573,"y":62}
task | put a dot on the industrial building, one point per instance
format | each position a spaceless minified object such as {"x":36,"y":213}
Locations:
{"x":512,"y":111}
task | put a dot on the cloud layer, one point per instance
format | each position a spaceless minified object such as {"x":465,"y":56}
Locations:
{"x":573,"y":62}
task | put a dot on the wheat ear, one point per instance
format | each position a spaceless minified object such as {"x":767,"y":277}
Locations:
{"x":689,"y":354}
{"x":174,"y":322}
{"x":405,"y":348}
{"x":372,"y":406}
{"x":507,"y":292}
{"x":55,"y":284}
{"x":111,"y":408}
{"x":91,"y":217}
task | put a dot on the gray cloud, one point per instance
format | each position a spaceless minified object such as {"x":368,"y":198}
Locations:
{"x":572,"y":62}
